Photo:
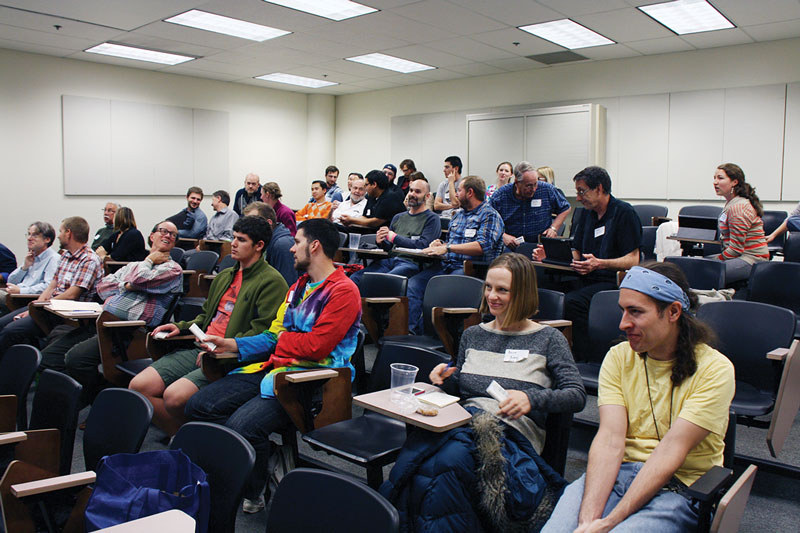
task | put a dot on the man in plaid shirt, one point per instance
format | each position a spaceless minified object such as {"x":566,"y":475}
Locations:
{"x":79,"y":270}
{"x":141,"y":290}
{"x":476,"y":232}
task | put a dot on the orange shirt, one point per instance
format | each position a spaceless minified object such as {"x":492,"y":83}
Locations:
{"x":220,"y":321}
{"x":313,"y":210}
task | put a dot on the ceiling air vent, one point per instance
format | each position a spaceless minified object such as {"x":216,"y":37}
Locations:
{"x":555,"y":58}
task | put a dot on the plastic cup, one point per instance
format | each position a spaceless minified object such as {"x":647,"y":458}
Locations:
{"x":403,"y":377}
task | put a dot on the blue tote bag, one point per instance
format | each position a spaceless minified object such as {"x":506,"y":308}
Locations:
{"x":131,"y":486}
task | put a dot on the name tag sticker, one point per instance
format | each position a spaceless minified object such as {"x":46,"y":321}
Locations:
{"x":470,"y":232}
{"x":599,"y":231}
{"x":723,"y":217}
{"x":515,"y":356}
{"x":520,"y":239}
{"x":536,"y":202}
{"x":415,"y":237}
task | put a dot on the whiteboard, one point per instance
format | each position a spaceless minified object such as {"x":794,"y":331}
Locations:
{"x":642,"y":166}
{"x":492,"y":142}
{"x":791,"y":154}
{"x":118,"y":148}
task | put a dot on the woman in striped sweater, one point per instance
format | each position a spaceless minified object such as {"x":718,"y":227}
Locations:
{"x":740,"y":225}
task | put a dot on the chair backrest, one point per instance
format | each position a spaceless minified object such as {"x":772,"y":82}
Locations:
{"x":556,"y":443}
{"x":773,"y":219}
{"x":604,"y":319}
{"x":701,"y":211}
{"x":202,"y":261}
{"x":394,"y":352}
{"x":188,"y":308}
{"x":648,"y":247}
{"x":730,"y":441}
{"x":746,"y":332}
{"x":368,"y":510}
{"x":177,"y":254}
{"x":551,"y":305}
{"x":791,"y":248}
{"x":117,"y":423}
{"x":17,"y":368}
{"x":227,"y":459}
{"x":776,"y":283}
{"x":367,"y":238}
{"x":226,"y":262}
{"x":376,"y":285}
{"x":449,"y":291}
{"x":646,"y":212}
{"x":577,"y":212}
{"x":701,"y":273}
{"x":55,"y":405}
{"x":527,"y":248}
{"x":343,"y":238}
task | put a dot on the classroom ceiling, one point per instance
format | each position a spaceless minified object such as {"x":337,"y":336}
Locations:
{"x":462,"y":38}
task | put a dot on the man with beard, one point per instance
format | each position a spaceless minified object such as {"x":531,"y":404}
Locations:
{"x":316,"y":327}
{"x":355,"y":203}
{"x":416,"y":228}
{"x":191,"y":222}
{"x":242,"y":300}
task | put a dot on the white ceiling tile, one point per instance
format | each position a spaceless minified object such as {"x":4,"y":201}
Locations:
{"x":265,"y":13}
{"x":449,"y":16}
{"x":122,"y":14}
{"x":750,"y":12}
{"x":111,"y":60}
{"x":167,"y":45}
{"x":406,"y":79}
{"x":622,"y":25}
{"x":34,"y":48}
{"x":309,"y":42}
{"x":476,"y":69}
{"x":664,"y":45}
{"x":440,"y":74}
{"x":469,"y":49}
{"x":572,"y":8}
{"x":325,"y":74}
{"x":511,"y":13}
{"x":194,"y":36}
{"x":713,"y":39}
{"x":356,"y":69}
{"x":183,"y":69}
{"x":613,"y":51}
{"x":46,"y":23}
{"x":247,"y":70}
{"x":375,"y":41}
{"x":376,"y":84}
{"x":391,"y":25}
{"x":274,"y":52}
{"x":25,"y":35}
{"x":528,"y":44}
{"x":426,"y":55}
{"x":516,"y":63}
{"x":773,"y":31}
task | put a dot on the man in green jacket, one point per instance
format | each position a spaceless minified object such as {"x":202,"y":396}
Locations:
{"x":242,"y":301}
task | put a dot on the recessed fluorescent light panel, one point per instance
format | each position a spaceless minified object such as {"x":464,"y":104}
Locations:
{"x":226,"y":25}
{"x":688,"y":16}
{"x":390,"y":63}
{"x":330,"y":9}
{"x":567,"y":33}
{"x":291,"y":79}
{"x":139,"y":54}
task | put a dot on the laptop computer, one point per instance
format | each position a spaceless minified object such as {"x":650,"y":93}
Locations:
{"x":557,"y":251}
{"x":697,"y":228}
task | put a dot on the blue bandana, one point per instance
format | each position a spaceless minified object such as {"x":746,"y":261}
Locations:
{"x":655,"y":285}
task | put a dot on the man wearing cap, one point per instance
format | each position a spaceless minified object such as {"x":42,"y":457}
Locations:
{"x":664,"y":397}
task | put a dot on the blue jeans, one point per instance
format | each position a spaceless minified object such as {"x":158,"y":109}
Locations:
{"x":235,"y":401}
{"x":793,"y":223}
{"x":416,"y":293}
{"x":19,"y":331}
{"x":390,"y":265}
{"x":666,"y":512}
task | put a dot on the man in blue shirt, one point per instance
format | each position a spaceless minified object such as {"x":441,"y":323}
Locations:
{"x":39,"y":266}
{"x":527,"y":207}
{"x":475,"y":232}
{"x":191,"y":222}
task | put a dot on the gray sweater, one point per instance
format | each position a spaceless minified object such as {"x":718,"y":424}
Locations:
{"x":548,"y":375}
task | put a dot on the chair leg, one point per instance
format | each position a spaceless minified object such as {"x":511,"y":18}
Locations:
{"x":375,"y":476}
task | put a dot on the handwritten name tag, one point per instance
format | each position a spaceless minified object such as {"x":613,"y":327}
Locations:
{"x":470,"y":232}
{"x":536,"y":202}
{"x":598,"y":232}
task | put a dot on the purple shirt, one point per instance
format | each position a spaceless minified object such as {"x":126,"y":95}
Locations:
{"x":286,"y":216}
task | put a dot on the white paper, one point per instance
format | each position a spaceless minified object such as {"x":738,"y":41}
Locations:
{"x":520,"y":239}
{"x":73,"y":305}
{"x":197,"y":332}
{"x":439,"y":399}
{"x":496,"y":391}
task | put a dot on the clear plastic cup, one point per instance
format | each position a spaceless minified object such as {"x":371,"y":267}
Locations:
{"x":403,"y":376}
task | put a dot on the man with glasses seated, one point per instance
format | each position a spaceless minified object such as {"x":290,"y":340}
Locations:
{"x":39,"y":266}
{"x":607,"y":238}
{"x":105,"y":231}
{"x":527,"y":207}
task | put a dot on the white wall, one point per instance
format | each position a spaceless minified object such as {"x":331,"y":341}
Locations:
{"x":363,"y":121}
{"x":268,"y":136}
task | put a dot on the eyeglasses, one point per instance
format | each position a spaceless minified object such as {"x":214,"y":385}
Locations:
{"x":165,"y":232}
{"x":29,"y":235}
{"x":581,"y":192}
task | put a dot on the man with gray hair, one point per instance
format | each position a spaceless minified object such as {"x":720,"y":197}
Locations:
{"x":105,"y":232}
{"x":39,"y":266}
{"x":251,"y":192}
{"x":528,"y":206}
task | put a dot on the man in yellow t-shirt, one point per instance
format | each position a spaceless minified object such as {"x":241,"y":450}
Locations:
{"x":664,"y":405}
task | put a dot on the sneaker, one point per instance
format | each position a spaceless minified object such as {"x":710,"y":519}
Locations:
{"x":253,"y":506}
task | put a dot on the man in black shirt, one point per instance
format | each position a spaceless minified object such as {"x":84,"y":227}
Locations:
{"x":382,"y":203}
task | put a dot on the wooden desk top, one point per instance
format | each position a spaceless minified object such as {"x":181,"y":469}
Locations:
{"x":448,"y":418}
{"x":174,"y":521}
{"x":554,"y":266}
{"x":73,"y":314}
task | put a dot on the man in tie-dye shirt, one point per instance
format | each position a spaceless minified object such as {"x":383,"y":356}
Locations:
{"x":316,"y":327}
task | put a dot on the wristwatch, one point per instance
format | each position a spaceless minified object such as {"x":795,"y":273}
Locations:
{"x":448,"y":247}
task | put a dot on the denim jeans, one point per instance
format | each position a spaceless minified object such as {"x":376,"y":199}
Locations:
{"x":235,"y":401}
{"x":416,"y":293}
{"x":793,"y":223}
{"x":19,"y":331}
{"x":666,"y":512}
{"x":390,"y":265}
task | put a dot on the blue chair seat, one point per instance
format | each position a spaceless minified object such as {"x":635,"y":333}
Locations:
{"x":386,"y":437}
{"x":419,"y":341}
{"x":749,"y":401}
{"x":132,"y":367}
{"x":590,"y":373}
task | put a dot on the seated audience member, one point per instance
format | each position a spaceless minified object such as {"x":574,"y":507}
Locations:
{"x":381,"y":205}
{"x":350,"y":179}
{"x":141,"y":290}
{"x":416,"y":228}
{"x":407,"y":167}
{"x":8,"y":262}
{"x":546,"y":174}
{"x":391,"y":171}
{"x":476,"y":232}
{"x":355,"y":203}
{"x":79,"y":269}
{"x":220,"y":227}
{"x":318,"y":207}
{"x":316,"y":327}
{"x":740,"y":226}
{"x":39,"y":266}
{"x":504,"y":173}
{"x":251,"y":192}
{"x":792,"y":223}
{"x":438,"y":477}
{"x":271,"y":195}
{"x":242,"y":300}
{"x":607,"y":239}
{"x":191,"y":222}
{"x":333,"y":192}
{"x":105,"y":231}
{"x":420,"y":176}
{"x":527,"y":207}
{"x":278,"y":253}
{"x":664,"y":398}
{"x":126,"y":243}
{"x":446,"y":201}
